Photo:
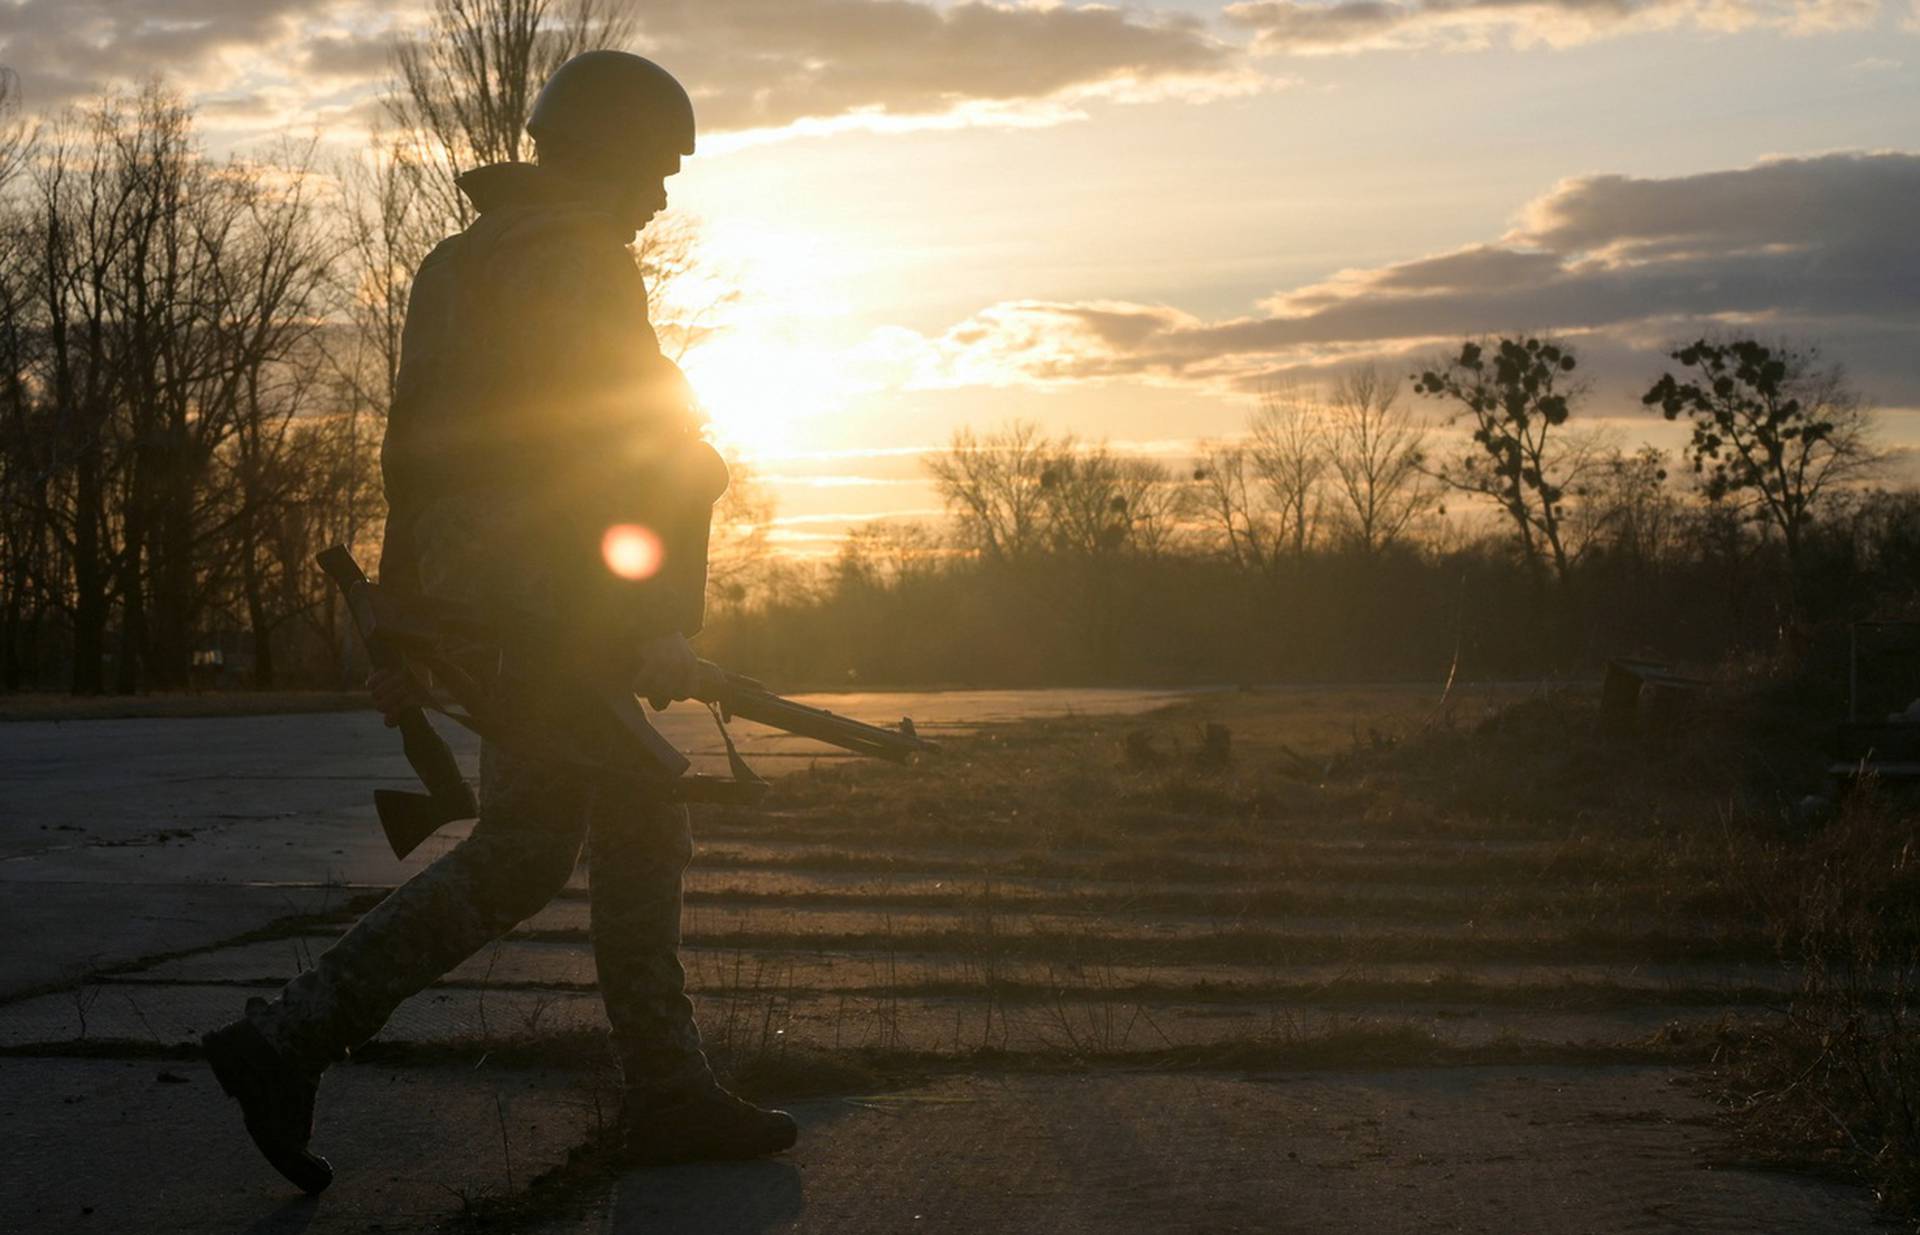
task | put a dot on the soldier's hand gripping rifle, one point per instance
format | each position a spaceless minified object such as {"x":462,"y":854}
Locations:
{"x":601,"y":728}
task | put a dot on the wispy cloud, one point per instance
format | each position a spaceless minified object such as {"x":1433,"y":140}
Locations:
{"x":770,"y":64}
{"x":837,"y":518}
{"x":1295,"y":27}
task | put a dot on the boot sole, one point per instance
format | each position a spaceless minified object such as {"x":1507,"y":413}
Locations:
{"x":232,"y":1056}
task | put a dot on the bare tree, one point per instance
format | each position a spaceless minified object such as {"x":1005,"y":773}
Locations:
{"x":740,"y":554}
{"x":25,"y":471}
{"x":1157,"y":507}
{"x":993,"y":486}
{"x":1375,"y":451}
{"x":1097,"y":504}
{"x":1627,"y":509}
{"x":83,"y":202}
{"x":1290,"y":456}
{"x":389,"y":230}
{"x":1229,"y":500}
{"x":885,"y":553}
{"x":188,"y":337}
{"x":147,"y":384}
{"x":16,"y":130}
{"x":273,"y":291}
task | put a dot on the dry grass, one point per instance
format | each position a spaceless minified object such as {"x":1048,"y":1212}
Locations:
{"x":1676,"y":847}
{"x":1835,"y":1085}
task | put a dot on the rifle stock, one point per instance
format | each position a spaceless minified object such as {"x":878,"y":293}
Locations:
{"x":407,"y":818}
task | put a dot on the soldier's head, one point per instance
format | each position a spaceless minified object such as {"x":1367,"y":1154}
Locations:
{"x":618,"y":124}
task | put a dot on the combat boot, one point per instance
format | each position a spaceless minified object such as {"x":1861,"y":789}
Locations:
{"x":704,"y":1123}
{"x":276,"y":1099}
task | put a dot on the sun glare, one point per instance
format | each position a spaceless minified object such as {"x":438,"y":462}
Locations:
{"x":759,"y":393}
{"x":631,"y":551}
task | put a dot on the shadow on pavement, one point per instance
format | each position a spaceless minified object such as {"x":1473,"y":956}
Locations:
{"x":731,"y":1197}
{"x":290,"y":1219}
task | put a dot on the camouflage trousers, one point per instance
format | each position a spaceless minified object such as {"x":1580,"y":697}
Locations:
{"x":534,"y":816}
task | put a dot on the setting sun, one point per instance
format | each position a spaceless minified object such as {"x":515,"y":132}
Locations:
{"x":760,"y":392}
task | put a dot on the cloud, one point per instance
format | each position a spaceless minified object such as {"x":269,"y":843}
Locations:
{"x":752,"y":65}
{"x":1344,"y":26}
{"x":65,"y":49}
{"x":352,"y":55}
{"x":756,"y":64}
{"x":1820,"y":247}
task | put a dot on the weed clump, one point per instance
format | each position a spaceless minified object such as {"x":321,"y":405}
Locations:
{"x":1835,"y":1083}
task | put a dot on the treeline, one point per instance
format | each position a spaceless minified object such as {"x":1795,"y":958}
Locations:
{"x":180,"y":429}
{"x":1466,"y":518}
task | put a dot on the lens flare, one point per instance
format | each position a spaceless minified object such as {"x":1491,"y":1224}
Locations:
{"x":631,"y":551}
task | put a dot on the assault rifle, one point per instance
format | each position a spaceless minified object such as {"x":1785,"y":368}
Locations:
{"x":481,"y":660}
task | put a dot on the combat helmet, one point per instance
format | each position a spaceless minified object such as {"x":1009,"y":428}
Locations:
{"x":609,"y":103}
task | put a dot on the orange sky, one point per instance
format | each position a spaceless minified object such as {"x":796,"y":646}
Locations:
{"x":1119,"y":221}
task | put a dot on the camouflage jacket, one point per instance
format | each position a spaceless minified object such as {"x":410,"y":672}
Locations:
{"x":532,"y":382}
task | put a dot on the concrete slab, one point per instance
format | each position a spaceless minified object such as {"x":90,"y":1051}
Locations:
{"x":1543,"y":1151}
{"x":60,"y":932}
{"x":1266,"y":936}
{"x":166,"y":1015}
{"x":67,"y":782}
{"x":107,"y":1146}
{"x":514,"y":961}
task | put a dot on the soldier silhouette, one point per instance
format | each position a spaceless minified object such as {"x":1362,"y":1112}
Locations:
{"x":534,"y":411}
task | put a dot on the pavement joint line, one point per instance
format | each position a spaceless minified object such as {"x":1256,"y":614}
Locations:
{"x":1329,"y":941}
{"x":1383,"y":1048}
{"x":1222,"y":948}
{"x":296,"y":925}
{"x":1572,"y":998}
{"x":224,"y":777}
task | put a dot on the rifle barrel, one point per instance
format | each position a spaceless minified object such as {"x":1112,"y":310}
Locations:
{"x":747,"y":699}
